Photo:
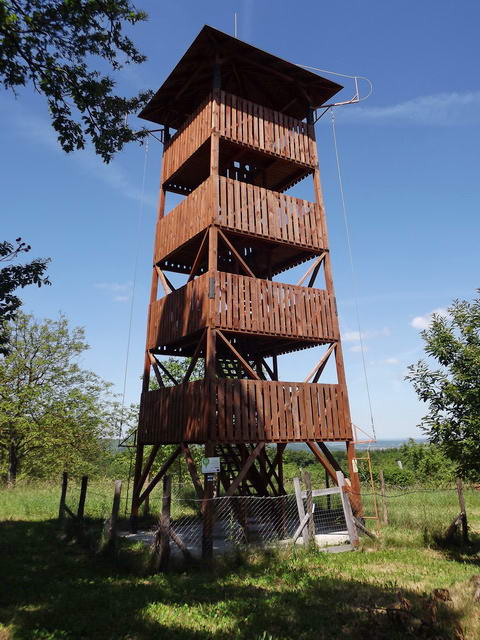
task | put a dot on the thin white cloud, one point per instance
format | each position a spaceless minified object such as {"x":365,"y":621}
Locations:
{"x":354,"y":336}
{"x":392,"y":361}
{"x":113,"y":286}
{"x":358,"y":348}
{"x":423,"y":322}
{"x":441,"y":109}
{"x":122,"y":291}
{"x":38,"y":130}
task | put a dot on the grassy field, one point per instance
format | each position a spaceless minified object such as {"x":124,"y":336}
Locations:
{"x":53,"y":588}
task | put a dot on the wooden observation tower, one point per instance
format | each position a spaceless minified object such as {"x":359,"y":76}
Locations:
{"x":244,"y":134}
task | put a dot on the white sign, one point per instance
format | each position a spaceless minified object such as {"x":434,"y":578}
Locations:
{"x":211,"y":465}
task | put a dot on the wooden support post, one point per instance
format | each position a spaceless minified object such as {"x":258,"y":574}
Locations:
{"x":463,"y":511}
{"x":301,"y":509}
{"x":83,"y":495}
{"x":136,"y":488}
{"x":347,"y":509}
{"x":311,"y":525}
{"x":63,"y":497}
{"x":146,"y":502}
{"x":384,"y":497}
{"x":164,"y":550}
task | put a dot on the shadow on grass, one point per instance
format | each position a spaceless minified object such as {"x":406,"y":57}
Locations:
{"x":459,"y":551}
{"x":52,"y":590}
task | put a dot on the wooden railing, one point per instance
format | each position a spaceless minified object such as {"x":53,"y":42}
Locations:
{"x":242,"y":207}
{"x":179,"y":314}
{"x":249,"y":123}
{"x":260,"y":306}
{"x":247,"y":411}
{"x":244,"y":304}
{"x":190,"y":217}
{"x":259,"y":211}
{"x":187,"y":139}
{"x":244,"y":122}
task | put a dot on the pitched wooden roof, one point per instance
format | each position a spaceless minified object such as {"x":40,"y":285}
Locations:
{"x":246,"y":71}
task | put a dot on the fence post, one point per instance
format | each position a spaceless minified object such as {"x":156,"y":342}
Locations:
{"x":347,"y":510}
{"x":83,"y":495}
{"x":463,"y":514}
{"x":310,"y":527}
{"x":384,"y":497}
{"x":115,"y":510}
{"x":164,"y":554}
{"x":63,"y":496}
{"x":300,"y":507}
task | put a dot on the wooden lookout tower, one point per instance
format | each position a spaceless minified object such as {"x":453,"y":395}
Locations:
{"x":238,"y":132}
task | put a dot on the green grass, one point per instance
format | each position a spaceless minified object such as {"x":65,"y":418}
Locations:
{"x":52,"y":588}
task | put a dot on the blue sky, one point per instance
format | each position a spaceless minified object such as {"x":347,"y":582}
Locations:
{"x":409,"y":157}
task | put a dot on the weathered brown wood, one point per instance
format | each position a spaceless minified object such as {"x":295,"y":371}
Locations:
{"x":163,"y":469}
{"x":114,"y":516}
{"x":196,"y":355}
{"x":463,"y":511}
{"x":312,"y":269}
{"x":192,"y":470}
{"x":63,"y":497}
{"x":83,"y":496}
{"x":232,"y":158}
{"x":243,"y":472}
{"x":165,"y":282}
{"x":321,"y":364}
{"x":147,"y":468}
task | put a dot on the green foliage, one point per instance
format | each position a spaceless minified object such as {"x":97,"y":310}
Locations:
{"x":177,"y":368}
{"x":14,"y":276}
{"x":53,"y":413}
{"x":452,"y":391}
{"x":52,"y":43}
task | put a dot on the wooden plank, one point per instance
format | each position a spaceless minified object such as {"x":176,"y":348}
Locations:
{"x":244,"y":470}
{"x":163,"y":469}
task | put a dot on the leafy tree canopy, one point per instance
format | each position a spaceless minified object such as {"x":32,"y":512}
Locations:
{"x":16,"y":276}
{"x":53,"y":413}
{"x":452,"y":390}
{"x":52,"y":44}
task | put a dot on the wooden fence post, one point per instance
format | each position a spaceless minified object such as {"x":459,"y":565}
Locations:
{"x":63,"y":496}
{"x":164,"y":553}
{"x":384,"y":497}
{"x":300,"y":507}
{"x":463,"y":511}
{"x":83,"y":495}
{"x":347,"y":510}
{"x":311,"y":526}
{"x":115,"y":510}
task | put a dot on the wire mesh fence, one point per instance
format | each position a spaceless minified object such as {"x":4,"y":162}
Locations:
{"x":242,"y":521}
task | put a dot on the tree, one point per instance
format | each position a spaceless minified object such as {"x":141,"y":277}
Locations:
{"x":52,"y":44}
{"x":452,"y":391}
{"x":13,"y":277}
{"x":53,"y":413}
